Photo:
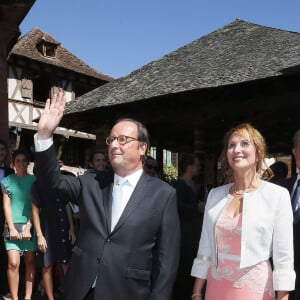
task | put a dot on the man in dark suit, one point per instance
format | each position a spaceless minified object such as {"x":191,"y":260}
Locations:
{"x":128,"y":245}
{"x":291,"y":184}
{"x":4,"y":171}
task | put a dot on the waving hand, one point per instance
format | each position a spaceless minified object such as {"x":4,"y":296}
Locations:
{"x":51,"y":116}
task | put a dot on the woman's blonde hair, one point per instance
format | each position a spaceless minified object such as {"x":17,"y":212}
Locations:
{"x":246,"y":131}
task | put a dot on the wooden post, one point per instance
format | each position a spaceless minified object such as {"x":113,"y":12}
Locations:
{"x":7,"y":33}
{"x":159,"y":158}
{"x":101,"y":134}
{"x":198,"y":149}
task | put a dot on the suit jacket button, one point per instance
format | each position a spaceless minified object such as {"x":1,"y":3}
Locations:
{"x":108,"y":241}
{"x":98,"y":261}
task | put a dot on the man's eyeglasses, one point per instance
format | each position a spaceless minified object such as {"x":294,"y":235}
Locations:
{"x":121,"y":139}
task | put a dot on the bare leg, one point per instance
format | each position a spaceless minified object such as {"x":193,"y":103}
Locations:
{"x":64,"y":268}
{"x":29,"y":257}
{"x":48,"y":282}
{"x":13,"y":272}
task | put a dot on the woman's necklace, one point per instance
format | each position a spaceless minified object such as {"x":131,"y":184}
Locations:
{"x":240,"y":193}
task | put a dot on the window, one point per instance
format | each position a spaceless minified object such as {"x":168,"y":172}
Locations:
{"x":47,"y":49}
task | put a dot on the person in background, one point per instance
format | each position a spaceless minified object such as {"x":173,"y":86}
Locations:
{"x":190,"y":210}
{"x":246,"y":222}
{"x":4,"y":171}
{"x":280,"y":170}
{"x":208,"y":187}
{"x":72,"y":209}
{"x":293,"y":185}
{"x":97,"y":161}
{"x":17,"y":209}
{"x":99,"y":166}
{"x":128,"y":244}
{"x":150,"y":166}
{"x":52,"y":219}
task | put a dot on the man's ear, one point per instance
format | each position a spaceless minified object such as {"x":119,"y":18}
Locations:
{"x":143,"y":149}
{"x":294,"y":151}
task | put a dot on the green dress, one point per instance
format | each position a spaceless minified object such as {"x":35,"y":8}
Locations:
{"x":17,"y":188}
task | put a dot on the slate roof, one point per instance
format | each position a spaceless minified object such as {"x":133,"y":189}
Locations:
{"x":26,"y":47}
{"x":236,"y":53}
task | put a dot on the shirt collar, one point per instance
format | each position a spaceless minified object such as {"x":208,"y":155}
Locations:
{"x":132,"y":178}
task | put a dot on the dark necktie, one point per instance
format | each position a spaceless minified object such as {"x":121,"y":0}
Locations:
{"x":295,"y":198}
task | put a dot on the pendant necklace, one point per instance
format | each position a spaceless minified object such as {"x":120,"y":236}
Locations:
{"x":238,"y":193}
{"x":243,"y":192}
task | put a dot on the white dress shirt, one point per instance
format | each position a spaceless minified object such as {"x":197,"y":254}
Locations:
{"x":128,"y":185}
{"x":42,"y":145}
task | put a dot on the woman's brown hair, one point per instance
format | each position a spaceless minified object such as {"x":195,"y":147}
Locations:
{"x":246,"y":130}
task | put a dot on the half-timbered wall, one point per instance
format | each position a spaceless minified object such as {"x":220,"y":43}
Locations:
{"x":27,"y":94}
{"x":23,"y":107}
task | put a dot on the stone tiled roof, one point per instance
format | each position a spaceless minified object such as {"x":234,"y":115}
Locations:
{"x":27,"y":47}
{"x":236,"y":53}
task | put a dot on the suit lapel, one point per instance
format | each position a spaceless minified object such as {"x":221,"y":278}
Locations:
{"x":134,"y":201}
{"x":291,"y":183}
{"x":107,"y":193}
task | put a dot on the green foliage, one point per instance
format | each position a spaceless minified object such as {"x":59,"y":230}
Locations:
{"x":170,"y":173}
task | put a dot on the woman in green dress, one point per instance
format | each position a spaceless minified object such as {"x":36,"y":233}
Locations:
{"x":17,"y":210}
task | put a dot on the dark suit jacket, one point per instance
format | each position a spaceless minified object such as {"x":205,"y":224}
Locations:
{"x":289,"y":184}
{"x":136,"y":261}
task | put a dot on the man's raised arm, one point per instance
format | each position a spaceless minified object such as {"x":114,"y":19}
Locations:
{"x":47,"y":168}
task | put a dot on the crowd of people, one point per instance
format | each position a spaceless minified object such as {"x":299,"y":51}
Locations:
{"x":120,"y":231}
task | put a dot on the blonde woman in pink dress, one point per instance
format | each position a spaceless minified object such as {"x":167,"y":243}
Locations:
{"x":246,"y":224}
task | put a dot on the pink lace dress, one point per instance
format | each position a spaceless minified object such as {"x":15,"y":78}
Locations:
{"x":227,"y":281}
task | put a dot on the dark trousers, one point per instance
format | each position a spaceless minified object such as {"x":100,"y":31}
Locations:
{"x":3,"y":257}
